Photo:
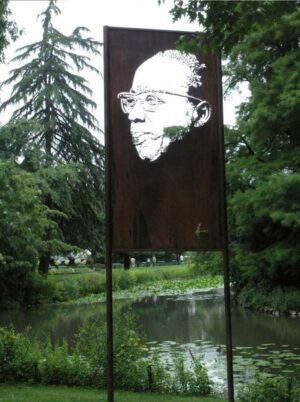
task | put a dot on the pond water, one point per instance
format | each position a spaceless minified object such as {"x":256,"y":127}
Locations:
{"x":192,"y":324}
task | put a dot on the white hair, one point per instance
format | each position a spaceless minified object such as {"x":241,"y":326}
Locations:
{"x":187,"y":59}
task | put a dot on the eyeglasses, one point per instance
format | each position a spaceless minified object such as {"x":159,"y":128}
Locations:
{"x":149,"y":100}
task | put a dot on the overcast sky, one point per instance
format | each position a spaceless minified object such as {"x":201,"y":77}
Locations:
{"x":94,"y":14}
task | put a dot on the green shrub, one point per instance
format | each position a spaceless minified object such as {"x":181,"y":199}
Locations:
{"x":278,"y":299}
{"x":188,"y":381}
{"x":38,"y":290}
{"x":65,"y":290}
{"x":70,"y":287}
{"x":206,"y":262}
{"x":125,"y":279}
{"x":201,"y":384}
{"x":91,"y":346}
{"x":18,"y":357}
{"x":17,"y":283}
{"x":60,"y":368}
{"x":270,"y":389}
{"x":130,"y":355}
{"x":129,"y":351}
{"x":90,"y":284}
{"x":251,"y":297}
{"x":55,"y":366}
{"x":159,"y":379}
{"x":23,"y":360}
{"x":285,"y":299}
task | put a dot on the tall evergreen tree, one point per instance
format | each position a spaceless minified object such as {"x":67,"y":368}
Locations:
{"x":49,"y":93}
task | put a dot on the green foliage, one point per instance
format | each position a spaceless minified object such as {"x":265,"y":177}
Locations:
{"x":20,"y":286}
{"x":175,"y":286}
{"x":267,"y":229}
{"x":138,"y":276}
{"x":58,"y":367}
{"x":190,"y":382}
{"x":182,"y":381}
{"x":130,"y":356}
{"x":260,"y":41}
{"x":71,"y":287}
{"x":24,"y":223}
{"x":206,"y":262}
{"x":49,"y":132}
{"x":14,"y":143}
{"x":8,"y":28}
{"x":174,"y":132}
{"x":52,"y":95}
{"x":23,"y":217}
{"x":159,"y":280}
{"x":19,"y":357}
{"x":35,"y":362}
{"x":277,"y":299}
{"x":75,"y":189}
{"x":270,"y":389}
{"x":158,"y":377}
{"x":201,"y":383}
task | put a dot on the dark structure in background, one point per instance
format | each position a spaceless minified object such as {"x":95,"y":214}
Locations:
{"x":171,"y":199}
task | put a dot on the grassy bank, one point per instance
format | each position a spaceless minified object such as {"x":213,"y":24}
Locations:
{"x":276,"y":301}
{"x":71,"y":287}
{"x":86,"y":286}
{"x":26,"y":393}
{"x":163,"y":287}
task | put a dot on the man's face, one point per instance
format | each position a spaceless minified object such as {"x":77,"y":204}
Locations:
{"x":157,"y":101}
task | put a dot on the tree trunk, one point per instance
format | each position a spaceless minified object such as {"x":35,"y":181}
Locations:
{"x":44,"y":264}
{"x":126,"y":261}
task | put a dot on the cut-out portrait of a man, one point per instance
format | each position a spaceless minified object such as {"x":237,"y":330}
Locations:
{"x":163,"y":142}
{"x":162,"y":109}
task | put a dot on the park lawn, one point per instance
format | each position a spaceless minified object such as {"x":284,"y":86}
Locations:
{"x":52,"y":393}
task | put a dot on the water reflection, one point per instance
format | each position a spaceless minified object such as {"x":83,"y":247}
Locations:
{"x":166,"y":318}
{"x":56,"y":323}
{"x":251,"y":328}
{"x":182,"y":319}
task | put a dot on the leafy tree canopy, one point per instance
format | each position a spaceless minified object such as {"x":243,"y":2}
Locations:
{"x":74,"y":189}
{"x":260,"y":41}
{"x":24,"y":219}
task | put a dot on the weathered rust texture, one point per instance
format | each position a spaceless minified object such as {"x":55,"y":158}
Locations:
{"x":177,"y":201}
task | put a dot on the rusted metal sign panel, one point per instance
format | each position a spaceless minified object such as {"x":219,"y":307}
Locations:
{"x":164,"y":144}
